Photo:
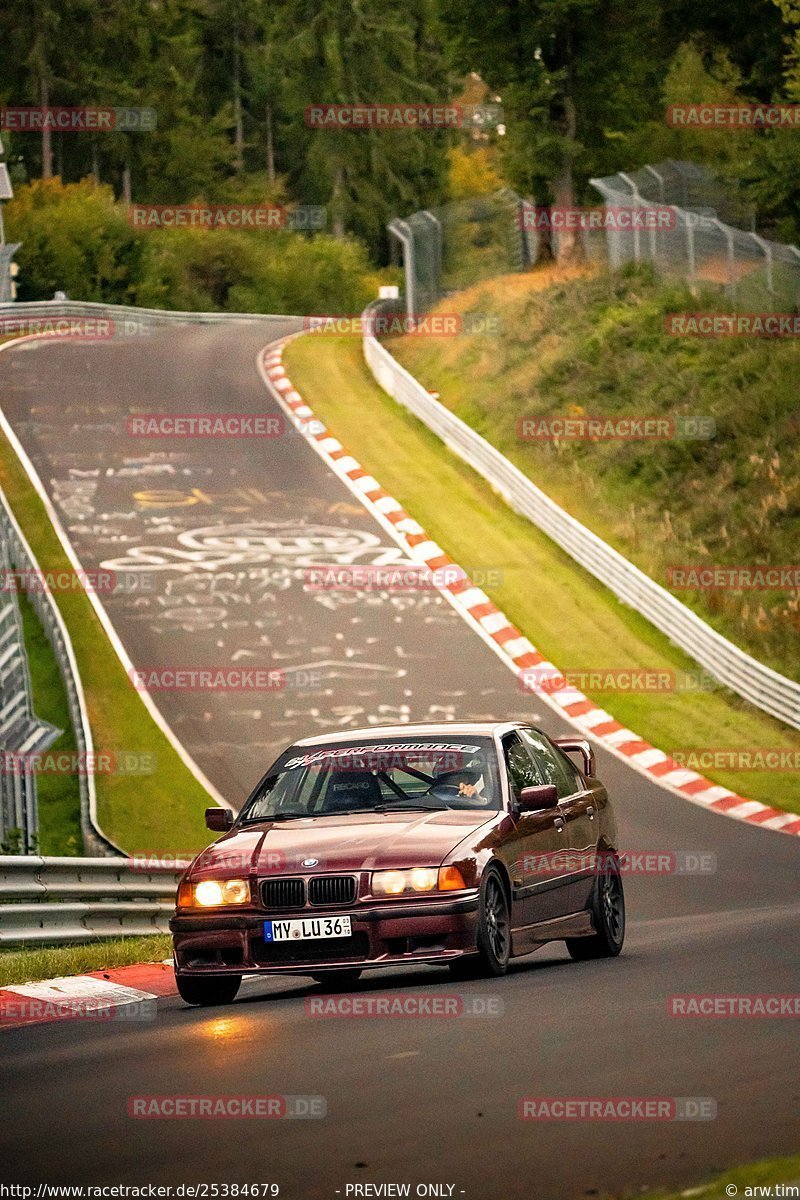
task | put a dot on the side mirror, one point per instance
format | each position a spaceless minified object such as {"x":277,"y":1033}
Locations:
{"x":579,"y":746}
{"x":219,"y":820}
{"x":532,"y":799}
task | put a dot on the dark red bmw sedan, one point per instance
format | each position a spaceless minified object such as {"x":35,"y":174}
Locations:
{"x":464,"y":844}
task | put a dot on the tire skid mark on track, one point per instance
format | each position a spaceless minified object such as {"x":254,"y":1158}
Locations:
{"x":498,"y":632}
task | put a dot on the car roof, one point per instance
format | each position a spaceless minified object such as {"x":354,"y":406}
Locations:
{"x":449,"y":730}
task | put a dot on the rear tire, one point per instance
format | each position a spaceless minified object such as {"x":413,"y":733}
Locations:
{"x":215,"y":989}
{"x":339,"y":980}
{"x":608,"y":911}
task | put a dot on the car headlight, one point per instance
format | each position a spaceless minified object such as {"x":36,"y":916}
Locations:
{"x":416,"y":879}
{"x":213,"y":893}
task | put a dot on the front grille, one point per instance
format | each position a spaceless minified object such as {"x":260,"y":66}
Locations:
{"x":283,"y":893}
{"x":332,"y":889}
{"x":310,"y":950}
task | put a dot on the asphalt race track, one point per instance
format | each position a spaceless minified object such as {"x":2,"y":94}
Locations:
{"x":222,"y":532}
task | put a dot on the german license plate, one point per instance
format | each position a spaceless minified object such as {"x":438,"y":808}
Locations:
{"x":306,"y":929}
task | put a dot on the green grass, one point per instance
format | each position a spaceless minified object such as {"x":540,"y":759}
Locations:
{"x":568,"y":615}
{"x":766,"y":1173}
{"x":596,"y":346}
{"x":26,"y":966}
{"x":159,"y":812}
{"x":58,"y":795}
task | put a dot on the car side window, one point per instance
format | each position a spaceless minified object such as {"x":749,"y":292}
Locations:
{"x":555,"y":767}
{"x":573,"y":777}
{"x":522,"y":770}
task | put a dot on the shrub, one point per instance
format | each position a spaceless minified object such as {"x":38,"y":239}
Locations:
{"x":75,"y":239}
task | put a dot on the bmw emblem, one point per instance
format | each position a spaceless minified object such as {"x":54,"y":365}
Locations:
{"x":309,"y":862}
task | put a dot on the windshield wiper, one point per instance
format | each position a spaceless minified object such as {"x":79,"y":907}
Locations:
{"x":281,"y":816}
{"x":389,"y":808}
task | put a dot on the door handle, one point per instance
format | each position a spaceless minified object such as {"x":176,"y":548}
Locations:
{"x":590,"y":812}
{"x":558,"y":824}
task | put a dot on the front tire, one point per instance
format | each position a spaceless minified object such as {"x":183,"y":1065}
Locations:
{"x":339,"y":980}
{"x":214,"y":989}
{"x":494,"y":934}
{"x":608,"y":911}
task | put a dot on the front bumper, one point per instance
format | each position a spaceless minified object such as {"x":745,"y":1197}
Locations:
{"x":382,"y":935}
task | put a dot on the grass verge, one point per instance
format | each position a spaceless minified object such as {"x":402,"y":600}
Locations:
{"x":26,"y":966}
{"x":59,"y":796}
{"x":158,"y":812}
{"x":568,"y":615}
{"x":600,"y":346}
{"x":745,"y":1180}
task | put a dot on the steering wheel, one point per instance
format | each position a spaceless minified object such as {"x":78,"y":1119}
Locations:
{"x":444,"y":791}
{"x":453,"y":798}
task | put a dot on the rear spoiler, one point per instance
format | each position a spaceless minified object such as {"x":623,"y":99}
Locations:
{"x":582,"y":747}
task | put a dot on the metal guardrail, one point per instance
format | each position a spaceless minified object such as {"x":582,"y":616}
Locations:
{"x":52,"y":622}
{"x":22,"y":732}
{"x":49,"y":900}
{"x":727,"y":663}
{"x":154,"y":316}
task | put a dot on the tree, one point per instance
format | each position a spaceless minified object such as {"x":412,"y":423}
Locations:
{"x":582,"y":80}
{"x":346,"y":52}
{"x":575,"y":77}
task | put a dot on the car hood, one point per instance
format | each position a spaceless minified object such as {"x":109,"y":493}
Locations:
{"x":341,"y":843}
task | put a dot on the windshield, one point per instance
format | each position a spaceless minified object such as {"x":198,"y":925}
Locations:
{"x":397,"y":776}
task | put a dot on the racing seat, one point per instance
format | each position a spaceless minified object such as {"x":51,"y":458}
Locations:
{"x":351,"y":789}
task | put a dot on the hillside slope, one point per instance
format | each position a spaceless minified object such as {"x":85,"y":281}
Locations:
{"x":595,"y":345}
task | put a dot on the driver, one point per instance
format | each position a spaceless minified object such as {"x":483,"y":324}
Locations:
{"x":470,"y":786}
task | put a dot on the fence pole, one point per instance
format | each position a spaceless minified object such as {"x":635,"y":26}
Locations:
{"x":437,"y":252}
{"x":637,"y":204}
{"x":727,"y":232}
{"x":690,"y":247}
{"x":402,"y":231}
{"x":796,"y":253}
{"x":657,"y":175}
{"x":767,"y":251}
